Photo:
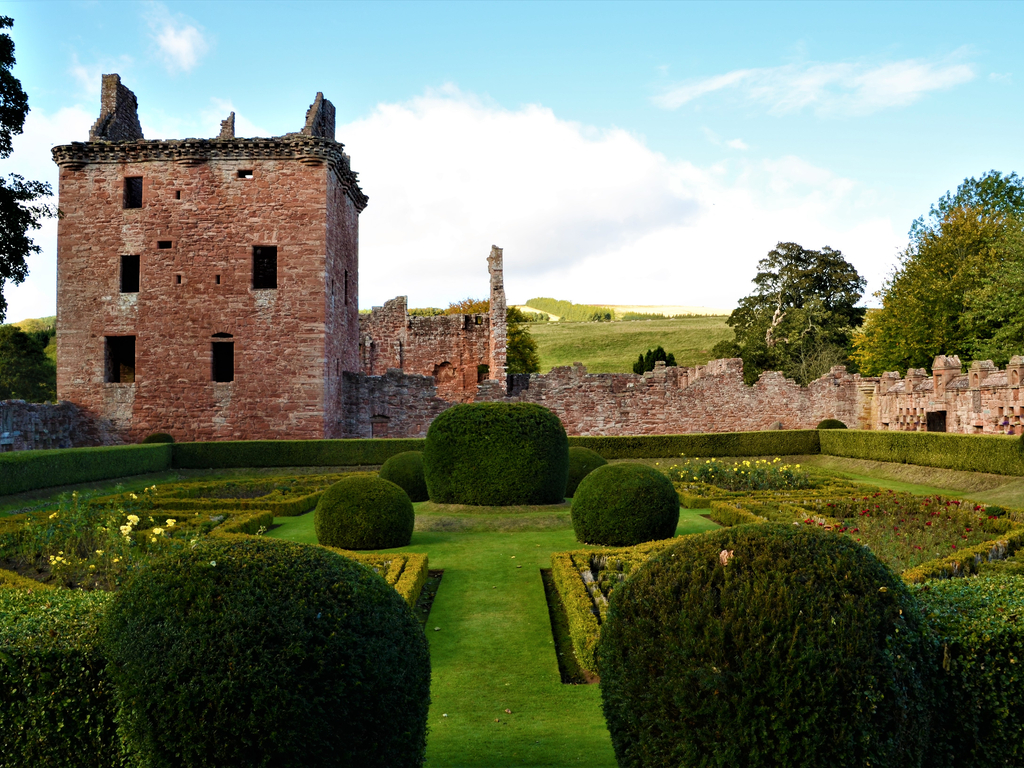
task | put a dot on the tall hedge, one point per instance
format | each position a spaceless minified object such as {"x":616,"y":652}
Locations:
{"x":258,"y":652}
{"x":496,"y":454}
{"x":290,"y":453}
{"x":945,"y":450}
{"x":765,"y":646}
{"x":56,"y":700}
{"x":28,"y":470}
{"x":979,"y":698}
{"x":786,"y":442}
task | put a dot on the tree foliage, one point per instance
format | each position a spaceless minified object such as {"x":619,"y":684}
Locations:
{"x":646,"y":361}
{"x":20,"y":210}
{"x":469,"y":306}
{"x":800,"y":317}
{"x":957,"y":287}
{"x":521,"y":349}
{"x":26,"y":373}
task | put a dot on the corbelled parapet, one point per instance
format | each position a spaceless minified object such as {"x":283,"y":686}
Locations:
{"x":119,"y":113}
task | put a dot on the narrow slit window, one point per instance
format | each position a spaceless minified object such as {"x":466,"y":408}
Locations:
{"x":177,"y":194}
{"x":264,"y":267}
{"x":130,"y":274}
{"x":216,"y":279}
{"x":245,"y":174}
{"x":163,"y":245}
{"x":345,"y":295}
{"x":133,"y":192}
{"x":119,"y":359}
{"x":223,"y":357}
{"x":177,"y":279}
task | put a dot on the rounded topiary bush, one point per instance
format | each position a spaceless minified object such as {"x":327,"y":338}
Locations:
{"x":406,"y":471}
{"x":260,"y":652}
{"x":582,"y":461}
{"x":830,"y":424}
{"x":625,"y":504}
{"x":158,"y":437}
{"x":496,"y":454}
{"x":765,"y":645}
{"x":364,"y":512}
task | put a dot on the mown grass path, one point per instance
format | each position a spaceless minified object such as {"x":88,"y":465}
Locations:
{"x":494,"y":651}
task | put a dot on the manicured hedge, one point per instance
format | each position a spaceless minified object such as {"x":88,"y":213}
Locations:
{"x":406,"y":471}
{"x":980,"y":692}
{"x":27,"y":470}
{"x":290,"y":453}
{"x":261,"y":652}
{"x":766,"y":645}
{"x":364,"y":512}
{"x":774,"y":443}
{"x":622,"y":505}
{"x":969,"y":453}
{"x":56,"y":701}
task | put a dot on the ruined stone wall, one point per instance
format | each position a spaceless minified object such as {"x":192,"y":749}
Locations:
{"x":28,"y":426}
{"x":395,"y":404}
{"x":984,"y":400}
{"x":448,"y":347}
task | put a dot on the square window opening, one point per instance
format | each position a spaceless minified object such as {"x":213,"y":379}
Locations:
{"x":130,"y":274}
{"x":119,"y":359}
{"x":163,"y":245}
{"x":264,"y":267}
{"x":133,"y":192}
{"x":223,"y":361}
{"x":245,"y":174}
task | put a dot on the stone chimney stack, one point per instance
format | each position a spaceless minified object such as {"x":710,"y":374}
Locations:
{"x":945,"y":368}
{"x":119,"y":113}
{"x":499,"y":339}
{"x":320,"y":118}
{"x":227,"y":127}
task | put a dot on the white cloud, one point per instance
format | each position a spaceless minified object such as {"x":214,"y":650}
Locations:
{"x":90,"y":76}
{"x":737,"y":144}
{"x":582,"y":214}
{"x":179,"y":40}
{"x":841,"y":88}
{"x":1001,"y":77}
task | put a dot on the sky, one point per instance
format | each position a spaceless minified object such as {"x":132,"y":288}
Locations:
{"x":620,"y":153}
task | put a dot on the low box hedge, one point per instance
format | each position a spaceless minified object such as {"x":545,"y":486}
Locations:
{"x":291,"y":453}
{"x":773,"y":443}
{"x":56,"y":705}
{"x":28,"y":470}
{"x":995,"y":454}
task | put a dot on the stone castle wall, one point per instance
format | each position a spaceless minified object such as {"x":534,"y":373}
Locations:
{"x":27,"y":426}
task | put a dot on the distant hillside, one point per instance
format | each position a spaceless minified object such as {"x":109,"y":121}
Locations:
{"x":42,"y":324}
{"x":614,"y":347}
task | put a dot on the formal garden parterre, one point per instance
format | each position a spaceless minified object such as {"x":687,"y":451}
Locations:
{"x":63,"y":701}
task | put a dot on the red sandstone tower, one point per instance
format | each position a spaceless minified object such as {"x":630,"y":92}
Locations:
{"x":207,"y":287}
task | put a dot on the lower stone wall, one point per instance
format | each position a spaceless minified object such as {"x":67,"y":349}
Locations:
{"x":26,"y":426}
{"x":396,"y":404}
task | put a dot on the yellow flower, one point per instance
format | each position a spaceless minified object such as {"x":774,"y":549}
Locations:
{"x":152,"y":539}
{"x":133,"y":519}
{"x":99,"y":552}
{"x":125,"y":530}
{"x":158,"y":532}
{"x":117,"y":559}
{"x":53,"y":515}
{"x":91,"y":567}
{"x":170,"y":522}
{"x":134,"y":497}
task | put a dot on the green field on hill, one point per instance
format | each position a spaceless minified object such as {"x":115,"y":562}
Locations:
{"x":614,"y":347}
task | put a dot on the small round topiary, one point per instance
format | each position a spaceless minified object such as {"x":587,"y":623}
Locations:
{"x":406,"y":471}
{"x":621,"y":505}
{"x":364,"y":512}
{"x":262,"y":652}
{"x":158,"y":437}
{"x":582,"y":461}
{"x":496,"y":454}
{"x":830,"y":424}
{"x":765,"y":645}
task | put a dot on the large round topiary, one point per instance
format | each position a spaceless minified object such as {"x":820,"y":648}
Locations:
{"x":765,"y":645}
{"x":158,"y":437}
{"x":496,"y":454}
{"x":625,"y":504}
{"x":364,"y":512}
{"x":582,"y":461}
{"x":830,"y":424}
{"x":266,"y":653}
{"x":406,"y":471}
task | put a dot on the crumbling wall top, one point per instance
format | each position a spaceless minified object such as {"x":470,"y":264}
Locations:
{"x":119,"y":113}
{"x":320,"y":118}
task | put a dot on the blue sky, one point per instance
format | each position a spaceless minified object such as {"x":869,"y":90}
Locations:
{"x":645,"y":153}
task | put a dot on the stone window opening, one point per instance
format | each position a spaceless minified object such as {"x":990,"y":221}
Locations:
{"x":222,"y":358}
{"x":216,"y":279}
{"x":264,"y":267}
{"x":133,"y":192}
{"x":177,"y":194}
{"x":163,"y":245}
{"x":482,"y":372}
{"x":119,"y":359}
{"x":346,"y":287}
{"x":379,"y":426}
{"x":177,"y":279}
{"x":246,"y":174}
{"x":130,"y":274}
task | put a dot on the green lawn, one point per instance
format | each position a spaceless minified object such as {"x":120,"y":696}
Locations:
{"x":614,"y":347}
{"x":494,"y":650}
